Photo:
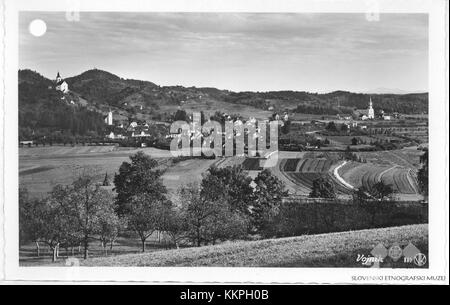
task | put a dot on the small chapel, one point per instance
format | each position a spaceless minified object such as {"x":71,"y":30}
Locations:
{"x":61,"y":84}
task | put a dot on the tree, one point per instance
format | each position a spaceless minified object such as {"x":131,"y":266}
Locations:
{"x":322,"y":188}
{"x":197,"y":210}
{"x":268,"y":193}
{"x":144,"y":216}
{"x":230,"y":182}
{"x":225,"y":223}
{"x":30,"y":219}
{"x":181,"y":115}
{"x":140,"y":177}
{"x":45,"y":221}
{"x":331,"y":126}
{"x":285,"y":129}
{"x":354,"y":141}
{"x":175,"y":225}
{"x":381,"y":191}
{"x":361,"y":194}
{"x":109,"y":226}
{"x":422,"y":175}
{"x":208,"y":220}
{"x":83,"y":203}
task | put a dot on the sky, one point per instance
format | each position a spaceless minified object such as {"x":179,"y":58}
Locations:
{"x":235,"y":51}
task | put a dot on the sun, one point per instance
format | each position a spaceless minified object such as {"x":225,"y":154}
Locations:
{"x":38,"y":27}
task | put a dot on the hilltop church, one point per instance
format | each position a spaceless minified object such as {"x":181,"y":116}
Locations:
{"x":61,"y":84}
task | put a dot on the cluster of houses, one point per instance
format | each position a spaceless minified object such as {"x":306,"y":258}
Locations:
{"x":134,"y":129}
{"x":249,"y":128}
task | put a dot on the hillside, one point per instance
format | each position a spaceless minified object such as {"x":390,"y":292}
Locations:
{"x":331,"y":103}
{"x":323,"y":250}
{"x":50,"y":113}
{"x":106,"y":89}
{"x":94,"y":92}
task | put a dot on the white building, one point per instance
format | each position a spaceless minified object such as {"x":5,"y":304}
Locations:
{"x":370,"y":111}
{"x":61,"y":84}
{"x":109,"y":118}
{"x":113,"y":136}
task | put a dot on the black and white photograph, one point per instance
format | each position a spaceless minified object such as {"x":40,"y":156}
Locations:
{"x":287,"y":140}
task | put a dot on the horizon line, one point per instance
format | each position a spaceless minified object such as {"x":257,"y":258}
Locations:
{"x":403,"y":91}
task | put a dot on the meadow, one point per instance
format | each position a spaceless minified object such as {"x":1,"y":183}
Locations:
{"x":41,"y":168}
{"x":322,"y":250}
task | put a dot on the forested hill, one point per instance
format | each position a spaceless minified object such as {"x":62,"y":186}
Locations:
{"x":332,"y":103}
{"x":46,"y":112}
{"x":105,"y":88}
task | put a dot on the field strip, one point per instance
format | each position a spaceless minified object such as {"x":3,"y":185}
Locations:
{"x":380,"y":175}
{"x":339,"y":178}
{"x":404,"y":161}
{"x":289,"y":181}
{"x":299,"y":163}
{"x":412,"y":181}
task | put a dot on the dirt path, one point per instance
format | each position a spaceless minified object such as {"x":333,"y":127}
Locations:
{"x":339,"y":178}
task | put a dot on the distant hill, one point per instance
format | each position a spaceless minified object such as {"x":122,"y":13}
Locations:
{"x":382,"y":90}
{"x":107,"y":89}
{"x":94,"y":92}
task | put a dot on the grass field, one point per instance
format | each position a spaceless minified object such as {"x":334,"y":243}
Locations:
{"x":323,"y":250}
{"x":401,"y":179}
{"x":347,"y":140}
{"x":407,"y":157}
{"x":301,"y":172}
{"x":210,"y":106}
{"x":41,"y":168}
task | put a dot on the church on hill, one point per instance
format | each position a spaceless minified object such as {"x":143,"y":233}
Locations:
{"x":61,"y":84}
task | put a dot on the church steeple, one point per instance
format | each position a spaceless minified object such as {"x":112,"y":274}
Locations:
{"x":58,"y":77}
{"x":370,"y":112}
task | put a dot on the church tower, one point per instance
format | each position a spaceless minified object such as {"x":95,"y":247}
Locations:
{"x":58,"y":78}
{"x":370,"y":112}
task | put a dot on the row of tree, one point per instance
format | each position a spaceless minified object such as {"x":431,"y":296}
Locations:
{"x":224,"y":206}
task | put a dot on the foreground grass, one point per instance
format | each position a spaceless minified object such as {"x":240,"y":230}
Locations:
{"x":323,"y":250}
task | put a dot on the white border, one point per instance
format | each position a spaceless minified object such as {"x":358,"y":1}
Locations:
{"x":438,"y":88}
